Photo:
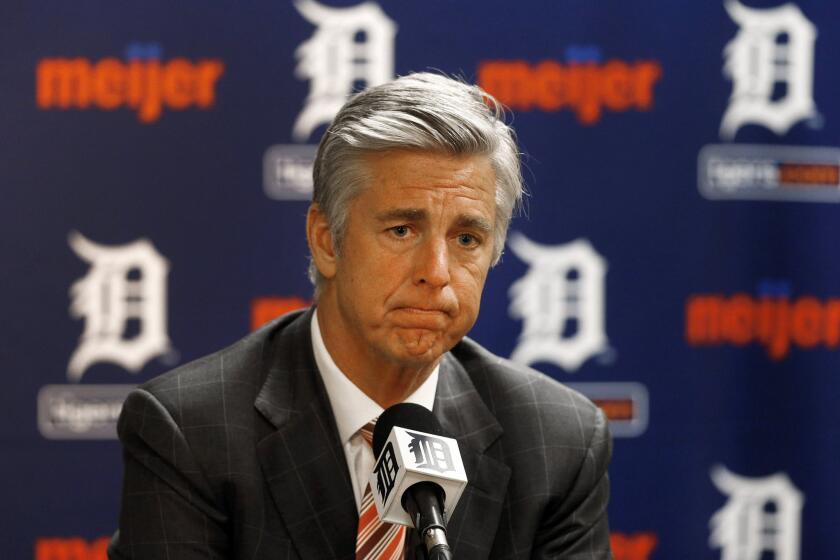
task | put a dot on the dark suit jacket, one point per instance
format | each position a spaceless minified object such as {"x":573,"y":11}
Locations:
{"x":236,"y":455}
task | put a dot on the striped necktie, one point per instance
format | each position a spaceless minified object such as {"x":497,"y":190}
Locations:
{"x":376,"y":540}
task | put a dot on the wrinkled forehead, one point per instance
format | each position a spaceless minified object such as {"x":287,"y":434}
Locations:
{"x":412,"y":167}
{"x":413,"y":173}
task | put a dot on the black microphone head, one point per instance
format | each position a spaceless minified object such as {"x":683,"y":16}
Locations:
{"x":404,"y":415}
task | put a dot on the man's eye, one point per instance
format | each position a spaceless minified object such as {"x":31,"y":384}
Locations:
{"x":467,"y":240}
{"x":400,"y":231}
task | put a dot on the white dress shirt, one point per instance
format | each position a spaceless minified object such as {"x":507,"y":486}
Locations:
{"x":353,"y":409}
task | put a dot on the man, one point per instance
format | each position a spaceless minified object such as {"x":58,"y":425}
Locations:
{"x":259,"y":451}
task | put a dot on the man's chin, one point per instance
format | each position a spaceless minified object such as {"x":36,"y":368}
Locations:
{"x":420,"y":347}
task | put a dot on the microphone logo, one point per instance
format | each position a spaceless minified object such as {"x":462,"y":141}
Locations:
{"x":386,"y":472}
{"x":430,"y":452}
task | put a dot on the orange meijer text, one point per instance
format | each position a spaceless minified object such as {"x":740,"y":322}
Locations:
{"x":584,"y":88}
{"x":146,"y":86}
{"x":777,"y":323}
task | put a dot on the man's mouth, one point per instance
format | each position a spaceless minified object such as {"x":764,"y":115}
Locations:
{"x":421,"y":317}
{"x":423,"y":310}
{"x":426,"y":308}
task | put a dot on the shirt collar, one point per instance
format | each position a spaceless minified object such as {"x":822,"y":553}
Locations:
{"x":351,"y":407}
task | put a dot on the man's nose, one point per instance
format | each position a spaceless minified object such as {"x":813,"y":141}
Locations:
{"x":432,"y":263}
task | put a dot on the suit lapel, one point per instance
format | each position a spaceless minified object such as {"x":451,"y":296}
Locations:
{"x":302,"y":460}
{"x":464,"y":415}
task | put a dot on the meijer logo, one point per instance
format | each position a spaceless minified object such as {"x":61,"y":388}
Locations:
{"x":142,"y":82}
{"x":583,"y":84}
{"x":773,"y":320}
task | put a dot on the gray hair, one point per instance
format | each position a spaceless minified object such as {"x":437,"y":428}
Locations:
{"x":421,"y":111}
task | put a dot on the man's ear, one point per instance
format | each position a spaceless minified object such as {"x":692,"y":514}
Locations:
{"x":320,"y":240}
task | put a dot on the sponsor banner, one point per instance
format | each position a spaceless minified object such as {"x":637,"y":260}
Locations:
{"x":582,"y":84}
{"x":141,"y":82}
{"x":626,"y":405}
{"x":110,"y":128}
{"x":772,"y":319}
{"x":287,"y":171}
{"x":769,"y":172}
{"x":80,"y":411}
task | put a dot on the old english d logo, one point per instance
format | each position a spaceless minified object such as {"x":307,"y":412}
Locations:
{"x":125,"y":284}
{"x":386,"y":472}
{"x":430,"y":452}
{"x":757,"y":61}
{"x":334,"y":59}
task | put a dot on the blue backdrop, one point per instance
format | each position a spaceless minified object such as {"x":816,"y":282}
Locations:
{"x":677,"y":260}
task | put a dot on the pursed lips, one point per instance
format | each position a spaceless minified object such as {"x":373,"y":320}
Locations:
{"x":430,"y":310}
{"x":428,"y":316}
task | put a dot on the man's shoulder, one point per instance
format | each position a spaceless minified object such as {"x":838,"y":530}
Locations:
{"x":516,"y":381}
{"x":230,"y":377}
{"x":520,"y":396}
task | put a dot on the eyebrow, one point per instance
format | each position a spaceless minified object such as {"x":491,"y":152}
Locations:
{"x":407,"y":214}
{"x":474,"y":222}
{"x":467,"y":221}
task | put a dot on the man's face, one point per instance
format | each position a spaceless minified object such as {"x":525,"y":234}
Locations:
{"x":416,"y":251}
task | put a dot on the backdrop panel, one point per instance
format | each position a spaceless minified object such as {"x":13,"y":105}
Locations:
{"x":676,"y":263}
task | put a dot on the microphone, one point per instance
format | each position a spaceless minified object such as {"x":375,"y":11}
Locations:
{"x":419,"y":475}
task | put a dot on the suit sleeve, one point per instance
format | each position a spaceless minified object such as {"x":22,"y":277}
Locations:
{"x":168,"y":510}
{"x":576,"y":527}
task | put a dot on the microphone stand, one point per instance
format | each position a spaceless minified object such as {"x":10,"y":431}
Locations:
{"x":439,"y":553}
{"x":430,"y":522}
